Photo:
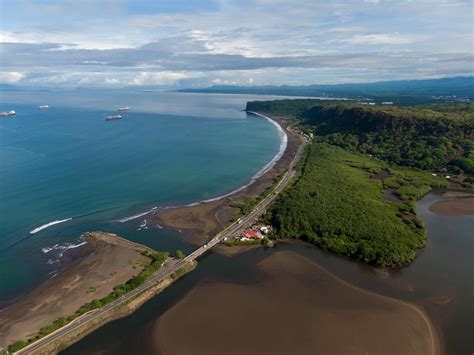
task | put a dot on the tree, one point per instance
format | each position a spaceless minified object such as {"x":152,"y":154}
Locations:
{"x":179,"y":254}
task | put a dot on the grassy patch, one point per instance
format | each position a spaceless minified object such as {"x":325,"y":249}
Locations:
{"x":238,"y":242}
{"x":248,"y":205}
{"x":92,"y":289}
{"x":178,"y":273}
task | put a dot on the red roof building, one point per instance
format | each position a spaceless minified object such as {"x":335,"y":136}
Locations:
{"x":250,"y":234}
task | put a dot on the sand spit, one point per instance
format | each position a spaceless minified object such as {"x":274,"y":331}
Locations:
{"x":455,"y":204}
{"x":111,"y":261}
{"x":296,"y":307}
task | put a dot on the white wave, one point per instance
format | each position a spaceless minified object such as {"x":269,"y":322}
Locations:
{"x":47,"y":249}
{"x":126,"y":219}
{"x":268,"y":166}
{"x":142,"y":225}
{"x":281,"y":151}
{"x":44,"y":226}
{"x":60,"y":249}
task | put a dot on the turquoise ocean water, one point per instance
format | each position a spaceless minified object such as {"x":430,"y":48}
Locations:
{"x":65,"y":170}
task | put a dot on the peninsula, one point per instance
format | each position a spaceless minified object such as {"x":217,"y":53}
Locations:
{"x":113,"y":279}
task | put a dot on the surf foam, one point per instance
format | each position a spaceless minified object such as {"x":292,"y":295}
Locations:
{"x":44,"y":226}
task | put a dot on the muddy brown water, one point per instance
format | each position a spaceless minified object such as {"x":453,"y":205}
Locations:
{"x":440,"y":281}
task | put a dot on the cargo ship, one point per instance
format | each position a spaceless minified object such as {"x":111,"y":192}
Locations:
{"x":123,"y":109}
{"x":113,"y":117}
{"x":43,"y":107}
{"x":7,"y":113}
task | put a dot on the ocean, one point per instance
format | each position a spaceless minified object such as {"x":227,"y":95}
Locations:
{"x":65,"y":170}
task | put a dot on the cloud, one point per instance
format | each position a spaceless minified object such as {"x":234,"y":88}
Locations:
{"x":226,"y":41}
{"x":159,"y":78}
{"x":379,"y":38}
{"x":112,"y":81}
{"x":11,"y":77}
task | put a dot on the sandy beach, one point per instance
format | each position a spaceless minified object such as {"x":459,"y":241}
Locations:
{"x":455,"y":204}
{"x":200,"y":222}
{"x":110,"y":261}
{"x":294,"y":307}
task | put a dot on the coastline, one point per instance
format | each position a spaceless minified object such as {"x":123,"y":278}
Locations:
{"x":123,"y":310}
{"x":268,"y":166}
{"x":199,"y":221}
{"x":455,"y":203}
{"x":107,"y":261}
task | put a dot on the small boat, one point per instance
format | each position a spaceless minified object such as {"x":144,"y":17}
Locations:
{"x":113,"y":117}
{"x":43,"y":107}
{"x":7,"y":113}
{"x":123,"y":109}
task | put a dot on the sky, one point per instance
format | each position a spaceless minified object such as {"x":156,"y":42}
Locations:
{"x":198,"y":43}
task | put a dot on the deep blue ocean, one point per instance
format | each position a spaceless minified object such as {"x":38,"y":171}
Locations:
{"x":66,"y":170}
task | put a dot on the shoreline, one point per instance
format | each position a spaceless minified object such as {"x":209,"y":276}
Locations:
{"x":201,"y":220}
{"x":123,"y":310}
{"x":454,"y":203}
{"x":108,"y":260}
{"x":282,"y":132}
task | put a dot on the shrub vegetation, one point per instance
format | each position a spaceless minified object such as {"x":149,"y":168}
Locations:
{"x":335,"y":205}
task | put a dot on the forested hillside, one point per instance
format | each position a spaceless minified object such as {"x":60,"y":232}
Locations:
{"x":359,"y":179}
{"x":432,"y":137}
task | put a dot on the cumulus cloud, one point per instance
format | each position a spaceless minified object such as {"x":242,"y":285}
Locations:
{"x":112,"y":81}
{"x":229,"y":41}
{"x":11,"y":77}
{"x":158,"y":78}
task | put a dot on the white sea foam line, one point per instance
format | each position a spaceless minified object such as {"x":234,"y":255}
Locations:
{"x":126,"y":219}
{"x":283,"y":145}
{"x":44,"y":226}
{"x":268,"y":166}
{"x":63,"y":248}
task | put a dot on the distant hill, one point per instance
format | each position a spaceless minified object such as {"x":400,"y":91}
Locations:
{"x":400,"y":92}
{"x":431,"y":137}
{"x":8,"y":87}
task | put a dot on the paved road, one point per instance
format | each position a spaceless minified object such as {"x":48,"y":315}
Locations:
{"x":172,"y":264}
{"x":235,"y":228}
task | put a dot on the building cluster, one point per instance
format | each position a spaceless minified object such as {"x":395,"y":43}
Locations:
{"x":257,"y":231}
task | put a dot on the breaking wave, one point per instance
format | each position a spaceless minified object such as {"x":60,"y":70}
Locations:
{"x":62,"y":248}
{"x":44,"y":226}
{"x":126,"y":219}
{"x":266,"y":167}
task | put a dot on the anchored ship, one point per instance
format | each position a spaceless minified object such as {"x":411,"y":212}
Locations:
{"x":113,"y":117}
{"x":43,"y":107}
{"x":123,"y":109}
{"x":7,"y":113}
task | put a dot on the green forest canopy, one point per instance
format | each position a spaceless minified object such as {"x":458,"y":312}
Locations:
{"x":335,"y":205}
{"x":434,"y":137}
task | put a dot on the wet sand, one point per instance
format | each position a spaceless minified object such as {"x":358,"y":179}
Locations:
{"x":456,"y":204}
{"x":109,"y":261}
{"x":201,"y":222}
{"x":294,"y":307}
